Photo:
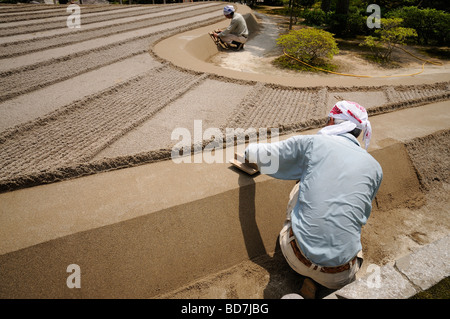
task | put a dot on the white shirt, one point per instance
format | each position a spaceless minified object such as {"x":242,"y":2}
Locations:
{"x":237,"y":26}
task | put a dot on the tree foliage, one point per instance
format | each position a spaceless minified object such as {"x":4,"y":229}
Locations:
{"x":390,"y":35}
{"x":316,"y":17}
{"x":347,"y":18}
{"x":309,"y":44}
{"x":389,"y":5}
{"x":431,"y":25}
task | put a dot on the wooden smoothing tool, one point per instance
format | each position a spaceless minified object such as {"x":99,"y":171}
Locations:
{"x":243,"y":164}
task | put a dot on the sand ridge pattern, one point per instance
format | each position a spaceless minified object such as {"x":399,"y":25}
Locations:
{"x":292,"y":109}
{"x":90,"y":16}
{"x":63,"y":36}
{"x":63,"y":141}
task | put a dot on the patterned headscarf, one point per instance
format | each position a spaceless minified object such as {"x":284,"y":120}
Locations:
{"x":228,"y":10}
{"x":354,"y":116}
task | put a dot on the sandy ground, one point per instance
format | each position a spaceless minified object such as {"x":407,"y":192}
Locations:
{"x":78,"y":102}
{"x":262,"y":50}
{"x":415,"y":218}
{"x":57,"y":82}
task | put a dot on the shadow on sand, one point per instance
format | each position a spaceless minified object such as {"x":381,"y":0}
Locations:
{"x":283,"y":280}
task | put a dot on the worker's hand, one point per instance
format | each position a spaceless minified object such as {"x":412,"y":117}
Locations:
{"x":216,"y":35}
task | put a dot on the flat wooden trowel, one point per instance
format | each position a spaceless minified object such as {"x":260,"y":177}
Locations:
{"x":243,"y":164}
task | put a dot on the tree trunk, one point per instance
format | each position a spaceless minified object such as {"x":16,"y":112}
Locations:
{"x":325,"y":5}
{"x":291,"y":6}
{"x":341,"y":16}
{"x":342,"y":6}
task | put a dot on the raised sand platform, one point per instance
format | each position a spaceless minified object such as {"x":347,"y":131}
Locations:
{"x":157,"y":229}
{"x":147,"y":230}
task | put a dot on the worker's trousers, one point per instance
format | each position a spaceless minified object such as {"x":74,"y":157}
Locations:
{"x":232,"y":37}
{"x":329,"y":280}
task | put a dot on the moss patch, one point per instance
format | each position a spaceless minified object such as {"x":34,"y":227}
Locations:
{"x":439,"y":291}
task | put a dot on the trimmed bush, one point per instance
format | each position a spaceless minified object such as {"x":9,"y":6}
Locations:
{"x":309,"y":44}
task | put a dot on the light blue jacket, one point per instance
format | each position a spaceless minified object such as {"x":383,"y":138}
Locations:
{"x":338,"y":181}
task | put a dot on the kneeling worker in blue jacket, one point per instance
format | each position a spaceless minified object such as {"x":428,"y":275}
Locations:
{"x":338,"y":179}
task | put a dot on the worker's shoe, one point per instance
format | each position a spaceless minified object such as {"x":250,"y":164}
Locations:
{"x":292,"y":296}
{"x":222,"y":44}
{"x":237,"y":45}
{"x":309,"y":289}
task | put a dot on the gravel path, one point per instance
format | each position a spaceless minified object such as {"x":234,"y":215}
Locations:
{"x":76,"y":103}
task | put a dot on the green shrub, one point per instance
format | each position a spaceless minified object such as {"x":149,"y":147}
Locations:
{"x":309,"y":44}
{"x":314,"y":17}
{"x":431,"y":25}
{"x":350,"y":24}
{"x":356,"y":24}
{"x":285,"y":62}
{"x":389,"y":35}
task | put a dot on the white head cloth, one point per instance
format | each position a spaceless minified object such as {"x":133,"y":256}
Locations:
{"x":354,"y":116}
{"x":228,"y":10}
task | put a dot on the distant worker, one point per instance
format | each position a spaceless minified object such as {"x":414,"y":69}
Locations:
{"x":338,"y":180}
{"x":237,"y":32}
